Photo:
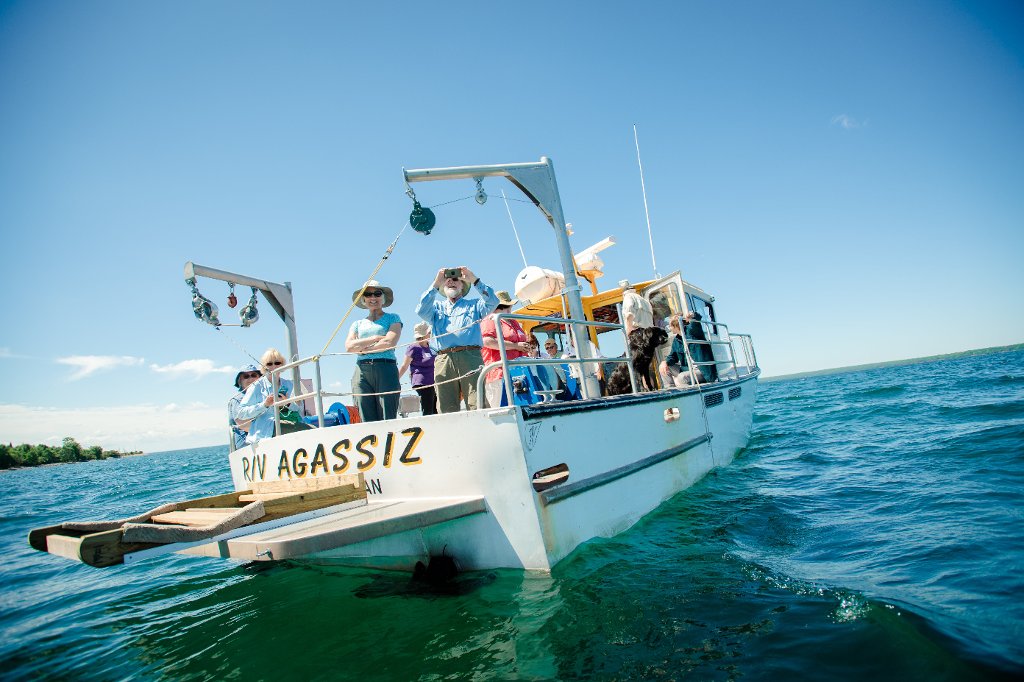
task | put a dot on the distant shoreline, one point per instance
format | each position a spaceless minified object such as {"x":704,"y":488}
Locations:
{"x":27,"y":456}
{"x":895,"y":363}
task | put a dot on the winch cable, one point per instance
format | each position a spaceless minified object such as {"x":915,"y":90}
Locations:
{"x":514,"y":230}
{"x":380,"y":264}
{"x":240,"y":347}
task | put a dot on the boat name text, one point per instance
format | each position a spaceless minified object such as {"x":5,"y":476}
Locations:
{"x":364,"y":454}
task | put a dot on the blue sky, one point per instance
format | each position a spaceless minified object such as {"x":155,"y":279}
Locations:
{"x":845,"y":178}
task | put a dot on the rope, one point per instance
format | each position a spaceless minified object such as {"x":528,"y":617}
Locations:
{"x":380,"y":264}
{"x":514,"y":230}
{"x":239,"y":347}
{"x":402,"y":390}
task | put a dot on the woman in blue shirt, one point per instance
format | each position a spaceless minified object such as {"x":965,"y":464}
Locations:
{"x":375,"y":338}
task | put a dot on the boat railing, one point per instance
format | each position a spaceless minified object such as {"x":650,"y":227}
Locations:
{"x":729,"y":341}
{"x":569,"y":324}
{"x":716,"y":339}
{"x":747,"y":345}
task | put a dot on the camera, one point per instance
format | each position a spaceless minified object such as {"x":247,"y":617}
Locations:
{"x":453,"y":272}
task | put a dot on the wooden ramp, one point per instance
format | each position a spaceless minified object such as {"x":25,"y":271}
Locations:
{"x":180,"y":525}
{"x":344,"y":527}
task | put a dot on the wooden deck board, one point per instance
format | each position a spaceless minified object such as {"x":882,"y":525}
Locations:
{"x":281,"y":499}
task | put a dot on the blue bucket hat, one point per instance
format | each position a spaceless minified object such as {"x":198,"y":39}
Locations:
{"x":244,"y":370}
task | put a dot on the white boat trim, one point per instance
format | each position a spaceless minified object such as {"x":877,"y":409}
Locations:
{"x":570,"y":489}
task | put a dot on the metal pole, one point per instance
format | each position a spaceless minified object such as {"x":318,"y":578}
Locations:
{"x":318,"y":384}
{"x":590,"y":386}
{"x":629,"y":357}
{"x":537,"y":182}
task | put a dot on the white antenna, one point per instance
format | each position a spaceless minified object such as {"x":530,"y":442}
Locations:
{"x":514,"y":230}
{"x":646,"y":212}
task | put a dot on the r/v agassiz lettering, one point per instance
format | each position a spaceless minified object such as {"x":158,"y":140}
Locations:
{"x":344,"y":456}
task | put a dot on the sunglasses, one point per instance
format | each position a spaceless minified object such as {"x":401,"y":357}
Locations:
{"x":372,"y":294}
{"x":250,"y":375}
{"x":550,"y":345}
{"x":275,"y":363}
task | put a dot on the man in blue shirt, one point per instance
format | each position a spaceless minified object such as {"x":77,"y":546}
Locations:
{"x":454,"y":322}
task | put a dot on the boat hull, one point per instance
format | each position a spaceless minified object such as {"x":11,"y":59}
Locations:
{"x":624,"y":455}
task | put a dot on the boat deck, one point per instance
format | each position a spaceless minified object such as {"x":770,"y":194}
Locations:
{"x":368,"y":521}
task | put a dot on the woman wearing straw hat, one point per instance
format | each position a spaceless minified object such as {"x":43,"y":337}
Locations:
{"x":420,"y":356}
{"x":374,"y":338}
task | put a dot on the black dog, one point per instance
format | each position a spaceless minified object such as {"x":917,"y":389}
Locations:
{"x":643,"y":343}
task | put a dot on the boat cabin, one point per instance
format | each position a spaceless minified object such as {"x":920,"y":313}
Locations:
{"x":669,"y":296}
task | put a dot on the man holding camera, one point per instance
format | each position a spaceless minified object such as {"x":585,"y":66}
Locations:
{"x":454,"y":325}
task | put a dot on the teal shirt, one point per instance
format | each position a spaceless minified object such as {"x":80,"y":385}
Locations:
{"x":366,"y":327}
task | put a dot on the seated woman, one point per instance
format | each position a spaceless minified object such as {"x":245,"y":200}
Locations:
{"x":700,"y":352}
{"x":255,"y":405}
{"x":243,"y":379}
{"x":546,"y":376}
{"x":674,"y":370}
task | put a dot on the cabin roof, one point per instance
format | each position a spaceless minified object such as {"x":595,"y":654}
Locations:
{"x":600,"y":307}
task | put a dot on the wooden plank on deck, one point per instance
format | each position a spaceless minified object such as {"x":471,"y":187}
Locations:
{"x":188,"y":518}
{"x":296,"y":485}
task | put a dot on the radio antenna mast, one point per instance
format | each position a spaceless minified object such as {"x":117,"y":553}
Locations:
{"x":643,"y":188}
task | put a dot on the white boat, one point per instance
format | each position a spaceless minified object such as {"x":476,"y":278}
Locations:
{"x":508,"y":487}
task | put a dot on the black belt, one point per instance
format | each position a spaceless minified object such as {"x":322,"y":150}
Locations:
{"x":456,"y":349}
{"x":375,"y":361}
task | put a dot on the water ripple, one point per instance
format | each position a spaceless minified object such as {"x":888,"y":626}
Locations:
{"x":873,"y":528}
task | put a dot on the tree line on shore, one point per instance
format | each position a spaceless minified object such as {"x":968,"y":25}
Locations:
{"x":26,"y":455}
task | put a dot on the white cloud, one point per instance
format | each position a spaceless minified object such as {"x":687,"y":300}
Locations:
{"x":195,"y":369}
{"x":90,"y":364}
{"x":150,"y":428}
{"x":847,"y":122}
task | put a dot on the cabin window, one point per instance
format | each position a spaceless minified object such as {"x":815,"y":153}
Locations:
{"x":704,"y":308}
{"x":665,"y":302}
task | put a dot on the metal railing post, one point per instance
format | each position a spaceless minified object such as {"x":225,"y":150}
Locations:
{"x":318,"y":387}
{"x":275,"y":385}
{"x":629,"y":356}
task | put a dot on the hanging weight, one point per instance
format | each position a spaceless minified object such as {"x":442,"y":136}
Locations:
{"x":421,"y":219}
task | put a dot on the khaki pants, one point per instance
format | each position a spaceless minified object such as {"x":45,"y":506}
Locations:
{"x":450,"y":365}
{"x":493,"y":390}
{"x":674,"y":376}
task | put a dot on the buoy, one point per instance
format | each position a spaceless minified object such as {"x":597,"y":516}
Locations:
{"x":536,"y":284}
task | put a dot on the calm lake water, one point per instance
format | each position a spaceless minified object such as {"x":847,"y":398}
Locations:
{"x":873,"y":529}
